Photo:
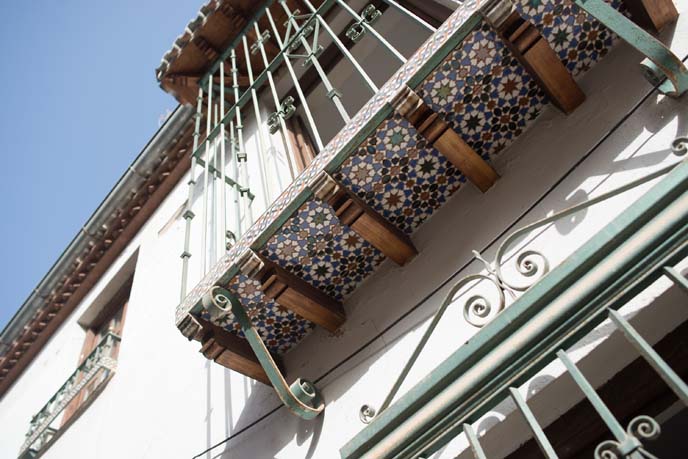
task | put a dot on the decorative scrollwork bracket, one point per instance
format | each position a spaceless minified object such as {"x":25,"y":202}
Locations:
{"x":301,"y":397}
{"x":639,"y":429}
{"x":530,"y":264}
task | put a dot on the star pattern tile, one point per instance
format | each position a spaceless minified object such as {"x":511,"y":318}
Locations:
{"x":578,"y":39}
{"x":484,"y":93}
{"x":399,"y":175}
{"x":314,"y":246}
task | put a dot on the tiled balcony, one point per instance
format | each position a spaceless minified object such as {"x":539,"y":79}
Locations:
{"x":390,"y":165}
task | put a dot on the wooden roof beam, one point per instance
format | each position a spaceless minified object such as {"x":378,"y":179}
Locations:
{"x":353,"y":212}
{"x":211,"y":54}
{"x":292,"y":292}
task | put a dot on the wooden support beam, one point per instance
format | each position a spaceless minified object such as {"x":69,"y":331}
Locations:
{"x":447,"y":141}
{"x":652,"y":15}
{"x":363,"y":220}
{"x":292,"y":292}
{"x":536,"y":55}
{"x":230,"y":351}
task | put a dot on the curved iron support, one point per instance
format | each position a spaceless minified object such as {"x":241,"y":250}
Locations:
{"x":301,"y":397}
{"x":660,"y":62}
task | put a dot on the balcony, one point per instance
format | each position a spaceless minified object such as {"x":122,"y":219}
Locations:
{"x":312,"y":163}
{"x":84,"y":384}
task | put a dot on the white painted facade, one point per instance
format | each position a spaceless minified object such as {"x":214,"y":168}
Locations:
{"x":168,"y":400}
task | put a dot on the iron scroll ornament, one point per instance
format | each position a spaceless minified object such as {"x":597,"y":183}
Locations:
{"x":661,"y":66}
{"x":531,"y":264}
{"x":639,"y":429}
{"x":301,"y":397}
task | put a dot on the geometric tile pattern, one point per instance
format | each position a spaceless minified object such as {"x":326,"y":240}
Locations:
{"x":398,"y":174}
{"x":484,"y":92}
{"x":314,"y":246}
{"x":579,"y":39}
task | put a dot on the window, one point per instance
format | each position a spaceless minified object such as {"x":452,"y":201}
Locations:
{"x":109,"y":321}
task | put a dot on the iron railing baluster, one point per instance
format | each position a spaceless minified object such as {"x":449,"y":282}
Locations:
{"x":259,"y":127}
{"x":626,"y":443}
{"x":276,"y":100}
{"x":409,"y":14}
{"x":241,"y":156}
{"x":368,"y":81}
{"x":607,"y":416}
{"x":206,"y":173}
{"x":669,"y":376}
{"x":332,"y":93}
{"x":297,"y":86}
{"x":188,"y":213}
{"x":534,"y":425}
{"x":236,"y":198}
{"x":474,"y":442}
{"x":676,"y":278}
{"x":223,"y":164}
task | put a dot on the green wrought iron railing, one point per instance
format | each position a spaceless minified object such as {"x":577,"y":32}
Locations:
{"x":96,"y":368}
{"x":221,"y":178}
{"x":555,"y":310}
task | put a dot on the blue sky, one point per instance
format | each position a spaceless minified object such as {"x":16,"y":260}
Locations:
{"x":79,"y":101}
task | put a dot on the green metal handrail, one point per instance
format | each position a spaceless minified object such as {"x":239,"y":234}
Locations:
{"x":40,"y":432}
{"x":639,"y":246}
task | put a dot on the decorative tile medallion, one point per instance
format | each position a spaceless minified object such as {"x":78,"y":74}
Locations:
{"x":328,"y":255}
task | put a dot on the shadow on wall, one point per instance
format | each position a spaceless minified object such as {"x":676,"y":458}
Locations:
{"x":255,"y":394}
{"x":655,"y":121}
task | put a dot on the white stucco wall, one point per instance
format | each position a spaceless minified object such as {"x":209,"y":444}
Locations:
{"x":167,"y":400}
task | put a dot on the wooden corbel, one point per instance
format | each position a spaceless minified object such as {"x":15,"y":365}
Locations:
{"x":231,"y":352}
{"x":535,"y":54}
{"x":224,"y":347}
{"x":447,"y":141}
{"x":353,"y":212}
{"x":652,"y":15}
{"x":292,"y":292}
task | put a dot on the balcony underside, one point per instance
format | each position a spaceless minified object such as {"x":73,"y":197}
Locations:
{"x":467,"y":75}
